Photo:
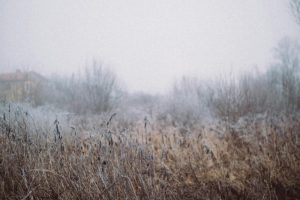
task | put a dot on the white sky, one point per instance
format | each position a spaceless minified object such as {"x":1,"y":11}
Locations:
{"x":147,"y":42}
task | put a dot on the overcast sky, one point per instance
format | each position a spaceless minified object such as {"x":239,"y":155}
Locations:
{"x":148,"y":43}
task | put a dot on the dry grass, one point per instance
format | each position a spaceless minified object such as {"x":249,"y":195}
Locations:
{"x":259,"y":160}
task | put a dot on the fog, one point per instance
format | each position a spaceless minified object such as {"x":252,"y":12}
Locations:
{"x":147,"y":43}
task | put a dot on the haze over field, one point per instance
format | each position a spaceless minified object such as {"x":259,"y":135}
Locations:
{"x":149,"y":99}
{"x":147,"y":43}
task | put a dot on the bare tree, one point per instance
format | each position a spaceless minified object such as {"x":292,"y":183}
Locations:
{"x":99,"y":87}
{"x":186,"y":102}
{"x":295,"y":8}
{"x":95,"y":91}
{"x":286,"y":73}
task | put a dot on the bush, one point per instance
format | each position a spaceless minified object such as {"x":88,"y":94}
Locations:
{"x":94,"y":92}
{"x":229,"y":98}
{"x":186,"y":103}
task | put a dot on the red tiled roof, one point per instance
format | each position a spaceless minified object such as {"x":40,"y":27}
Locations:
{"x":18,"y":76}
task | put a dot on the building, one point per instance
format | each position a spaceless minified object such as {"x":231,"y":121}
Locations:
{"x":21,"y":86}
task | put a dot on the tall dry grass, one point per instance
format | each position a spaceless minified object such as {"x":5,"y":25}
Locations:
{"x":257,"y":159}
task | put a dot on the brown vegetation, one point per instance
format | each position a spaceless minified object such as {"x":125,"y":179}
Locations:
{"x":257,"y":159}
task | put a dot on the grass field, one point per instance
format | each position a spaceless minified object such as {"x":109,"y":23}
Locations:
{"x":256,"y":159}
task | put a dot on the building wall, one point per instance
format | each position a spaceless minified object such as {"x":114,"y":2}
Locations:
{"x":18,"y":91}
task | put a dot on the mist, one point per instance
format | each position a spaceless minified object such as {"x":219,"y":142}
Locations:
{"x":147,"y":43}
{"x":158,"y":99}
